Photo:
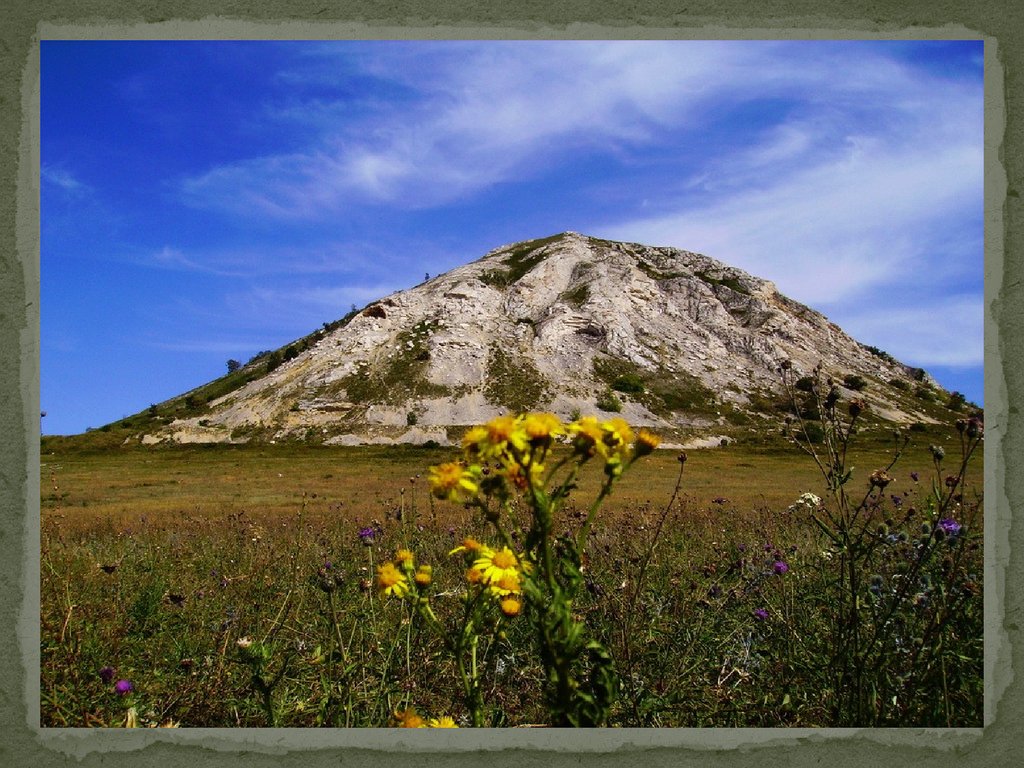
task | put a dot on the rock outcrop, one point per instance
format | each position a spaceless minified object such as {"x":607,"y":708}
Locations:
{"x":569,"y":323}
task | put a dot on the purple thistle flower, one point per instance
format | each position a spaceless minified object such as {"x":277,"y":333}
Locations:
{"x":106,"y":674}
{"x":367,"y":536}
{"x":760,"y":614}
{"x":950,"y":526}
{"x":914,"y":476}
{"x":123,"y":687}
{"x":779,"y":567}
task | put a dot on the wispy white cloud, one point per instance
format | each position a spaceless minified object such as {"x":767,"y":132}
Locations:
{"x":947,"y":333}
{"x":480,"y":114}
{"x":63,"y":179}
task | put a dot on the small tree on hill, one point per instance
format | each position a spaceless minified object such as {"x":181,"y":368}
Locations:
{"x":233,"y":365}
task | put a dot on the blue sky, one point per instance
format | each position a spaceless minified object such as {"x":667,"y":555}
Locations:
{"x":202,"y":201}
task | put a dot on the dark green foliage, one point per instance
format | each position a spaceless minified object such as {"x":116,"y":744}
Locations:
{"x":628,"y":383}
{"x":855,"y":382}
{"x":732,"y":283}
{"x":957,"y":401}
{"x":233,"y":365}
{"x":880,"y":354}
{"x":609,"y":402}
{"x":662,"y":392}
{"x":812,"y":432}
{"x":899,"y":384}
{"x":274,"y":360}
{"x":578,"y":296}
{"x":804,"y":383}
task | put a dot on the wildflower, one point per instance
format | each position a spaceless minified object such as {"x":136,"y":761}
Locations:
{"x":510,"y":606}
{"x":540,"y":428}
{"x":914,"y":476}
{"x":507,"y":584}
{"x":646,"y":442}
{"x":441,"y":722}
{"x":855,"y":407}
{"x":453,"y":481}
{"x":469,"y":544}
{"x":408,"y":718}
{"x":367,"y":536}
{"x":975,"y":427}
{"x":779,"y":567}
{"x":502,"y":430}
{"x":950,"y":526}
{"x":588,"y":436}
{"x":123,"y":687}
{"x":938,"y":453}
{"x":474,"y":575}
{"x":391,"y":581}
{"x":424,"y":575}
{"x":495,"y":565}
{"x":760,"y":614}
{"x":404,"y":558}
{"x":475,"y":440}
{"x":106,"y":674}
{"x":618,"y":433}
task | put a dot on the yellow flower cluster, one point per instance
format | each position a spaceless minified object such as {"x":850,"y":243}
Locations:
{"x":518,"y":446}
{"x":393,"y":578}
{"x":500,"y":570}
{"x":408,"y":718}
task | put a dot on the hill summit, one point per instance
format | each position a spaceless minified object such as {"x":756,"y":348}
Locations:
{"x":571,"y":324}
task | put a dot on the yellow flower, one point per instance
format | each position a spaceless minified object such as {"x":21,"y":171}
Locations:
{"x":391,"y":581}
{"x":494,"y":565}
{"x":441,"y":722}
{"x":510,"y":606}
{"x":474,"y":575}
{"x":646,"y":442}
{"x":424,"y":575}
{"x":618,"y":433}
{"x":541,"y":427}
{"x":501,"y":430}
{"x":404,"y":558}
{"x":588,"y":435}
{"x":475,"y":440}
{"x":453,"y":481}
{"x":507,"y":584}
{"x":408,"y":718}
{"x":469,"y":544}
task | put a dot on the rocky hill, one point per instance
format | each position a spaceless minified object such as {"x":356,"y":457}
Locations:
{"x":570,"y":324}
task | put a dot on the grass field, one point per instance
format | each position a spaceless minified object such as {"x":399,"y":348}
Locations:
{"x":231,"y":587}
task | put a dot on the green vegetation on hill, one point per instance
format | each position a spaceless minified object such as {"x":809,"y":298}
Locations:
{"x":514,"y":382}
{"x":661,"y":392}
{"x":518,"y":262}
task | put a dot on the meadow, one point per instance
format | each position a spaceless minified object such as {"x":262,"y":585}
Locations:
{"x":299,"y":586}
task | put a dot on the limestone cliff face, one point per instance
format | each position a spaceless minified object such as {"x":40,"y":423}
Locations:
{"x":568,"y":323}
